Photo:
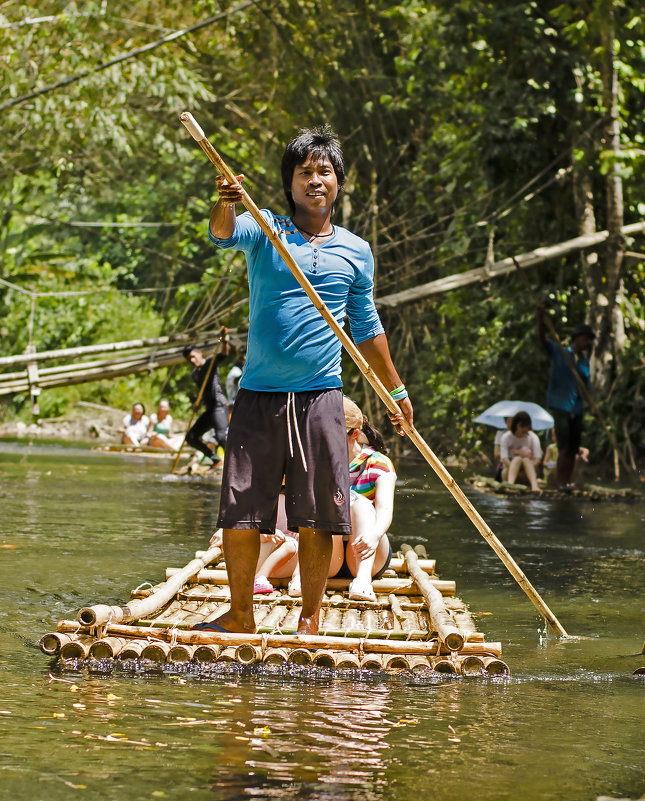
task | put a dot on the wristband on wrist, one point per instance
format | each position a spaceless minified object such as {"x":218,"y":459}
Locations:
{"x":399,"y":394}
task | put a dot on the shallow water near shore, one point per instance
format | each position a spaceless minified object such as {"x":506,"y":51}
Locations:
{"x":84,"y":527}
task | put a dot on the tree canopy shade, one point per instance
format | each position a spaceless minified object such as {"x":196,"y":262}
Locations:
{"x":473,"y":131}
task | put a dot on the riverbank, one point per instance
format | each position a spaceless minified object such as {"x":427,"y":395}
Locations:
{"x":91,"y":423}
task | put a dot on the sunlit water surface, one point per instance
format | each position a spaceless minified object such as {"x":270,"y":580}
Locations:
{"x":567,"y":724}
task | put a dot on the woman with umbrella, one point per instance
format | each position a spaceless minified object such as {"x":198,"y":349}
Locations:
{"x":520,"y":450}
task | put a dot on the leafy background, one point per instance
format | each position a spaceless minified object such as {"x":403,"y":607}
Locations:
{"x":468,"y":127}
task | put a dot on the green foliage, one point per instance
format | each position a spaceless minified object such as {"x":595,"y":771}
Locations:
{"x":462,"y":122}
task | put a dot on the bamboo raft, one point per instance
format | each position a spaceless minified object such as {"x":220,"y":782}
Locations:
{"x":137,"y":450}
{"x":587,"y":492}
{"x":416,"y":624}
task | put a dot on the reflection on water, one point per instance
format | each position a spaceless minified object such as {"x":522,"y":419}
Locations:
{"x":566,"y":725}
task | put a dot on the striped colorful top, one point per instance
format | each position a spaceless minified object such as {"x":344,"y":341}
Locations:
{"x":366,"y":468}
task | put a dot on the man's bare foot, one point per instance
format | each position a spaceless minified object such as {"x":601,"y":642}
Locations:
{"x":308,"y":625}
{"x":236,"y":624}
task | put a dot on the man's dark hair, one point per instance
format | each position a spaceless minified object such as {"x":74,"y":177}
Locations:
{"x":318,"y":143}
{"x":188,"y":349}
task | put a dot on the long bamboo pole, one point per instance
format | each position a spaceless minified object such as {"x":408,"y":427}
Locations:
{"x":581,"y":384}
{"x":484,"y":529}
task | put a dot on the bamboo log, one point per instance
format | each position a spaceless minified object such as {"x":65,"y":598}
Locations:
{"x":371,"y":662}
{"x":470,"y":665}
{"x":206,"y":652}
{"x":405,"y":619}
{"x":399,"y":566}
{"x":248,"y":654}
{"x":352,"y":620}
{"x":77,"y":648}
{"x":392,"y":406}
{"x":275,"y":656}
{"x":324,"y":659}
{"x":107,"y":648}
{"x":102,"y":613}
{"x":63,"y":353}
{"x":227,"y":654}
{"x":383,"y":585}
{"x":503,"y":267}
{"x":333,"y":615}
{"x":274,"y":618}
{"x":371,"y":620}
{"x":495,"y":667}
{"x":419,"y":664}
{"x":300,"y":656}
{"x":290,"y":621}
{"x":132,"y":649}
{"x":440,"y":664}
{"x":382,"y":646}
{"x":397,"y":662}
{"x":50,"y":644}
{"x":181,"y":653}
{"x":156,"y":651}
{"x":440,"y":618}
{"x":348,"y":661}
{"x":96,"y":374}
{"x":396,"y":563}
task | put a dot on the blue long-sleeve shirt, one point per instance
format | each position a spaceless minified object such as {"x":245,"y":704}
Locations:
{"x":290,"y":346}
{"x":563,"y":391}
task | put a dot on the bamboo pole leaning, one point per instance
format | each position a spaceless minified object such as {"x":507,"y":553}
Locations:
{"x":440,"y":619}
{"x":484,"y":529}
{"x":101,"y":614}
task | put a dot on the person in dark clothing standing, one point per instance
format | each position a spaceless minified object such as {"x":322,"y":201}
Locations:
{"x":564,"y":398}
{"x":216,"y":414}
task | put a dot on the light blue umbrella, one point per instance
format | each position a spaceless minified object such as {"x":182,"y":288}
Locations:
{"x":496,"y":414}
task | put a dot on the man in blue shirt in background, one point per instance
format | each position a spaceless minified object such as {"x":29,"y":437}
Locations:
{"x":288,"y":418}
{"x":564,"y":398}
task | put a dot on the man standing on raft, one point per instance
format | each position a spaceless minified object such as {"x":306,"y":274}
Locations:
{"x":288,"y":417}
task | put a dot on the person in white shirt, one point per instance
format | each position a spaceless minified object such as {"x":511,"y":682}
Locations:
{"x":520,"y":450}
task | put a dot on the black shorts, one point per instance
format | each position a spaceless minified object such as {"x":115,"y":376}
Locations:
{"x":263,"y":445}
{"x":568,"y":430}
{"x":345,"y":572}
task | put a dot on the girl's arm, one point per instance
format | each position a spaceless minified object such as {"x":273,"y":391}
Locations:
{"x":384,"y":502}
{"x":366,"y":543}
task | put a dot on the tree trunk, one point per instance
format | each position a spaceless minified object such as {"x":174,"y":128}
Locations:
{"x":607,"y":323}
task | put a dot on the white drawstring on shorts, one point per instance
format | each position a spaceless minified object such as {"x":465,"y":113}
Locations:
{"x":291,"y":404}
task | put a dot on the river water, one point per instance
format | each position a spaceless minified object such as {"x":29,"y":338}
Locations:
{"x":79,"y":527}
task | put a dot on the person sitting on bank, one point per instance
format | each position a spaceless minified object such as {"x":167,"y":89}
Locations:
{"x":160,"y":427}
{"x":497,"y":453}
{"x":521,"y":450}
{"x":564,"y":395}
{"x":550,"y":461}
{"x":215,"y":416}
{"x":134,"y":426}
